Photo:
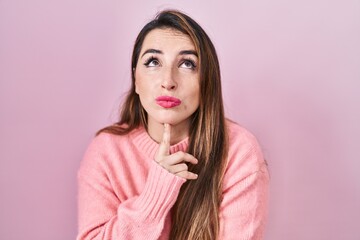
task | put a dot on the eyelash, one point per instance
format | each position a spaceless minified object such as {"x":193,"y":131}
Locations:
{"x":152,"y":58}
{"x":149,"y":60}
{"x":193,"y":65}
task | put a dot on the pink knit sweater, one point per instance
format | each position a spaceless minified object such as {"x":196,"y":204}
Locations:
{"x":124,"y":194}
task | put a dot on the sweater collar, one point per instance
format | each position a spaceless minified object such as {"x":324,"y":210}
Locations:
{"x":147,"y":145}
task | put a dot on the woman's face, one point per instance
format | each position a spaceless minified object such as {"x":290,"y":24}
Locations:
{"x":167,"y":78}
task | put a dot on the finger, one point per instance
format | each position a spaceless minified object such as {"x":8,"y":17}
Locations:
{"x":178,"y":168}
{"x":179,"y":157}
{"x":187,"y":175}
{"x":164,"y":146}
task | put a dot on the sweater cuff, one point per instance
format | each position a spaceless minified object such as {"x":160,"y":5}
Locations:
{"x":159,"y":194}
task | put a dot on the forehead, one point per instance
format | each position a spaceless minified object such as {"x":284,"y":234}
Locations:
{"x":167,"y":39}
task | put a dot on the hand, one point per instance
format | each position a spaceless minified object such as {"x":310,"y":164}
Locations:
{"x":174,"y":163}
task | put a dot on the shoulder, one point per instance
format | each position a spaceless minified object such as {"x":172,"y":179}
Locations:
{"x":110,"y":136}
{"x":239,"y":135}
{"x":106,"y":142}
{"x":102,"y":151}
{"x":245,"y":155}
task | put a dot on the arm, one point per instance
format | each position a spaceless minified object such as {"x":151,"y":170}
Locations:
{"x":103,"y":216}
{"x":243,"y":210}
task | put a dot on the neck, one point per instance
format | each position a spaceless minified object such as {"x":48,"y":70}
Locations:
{"x":178,"y":132}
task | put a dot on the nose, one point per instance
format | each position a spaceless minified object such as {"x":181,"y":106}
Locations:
{"x":168,"y":79}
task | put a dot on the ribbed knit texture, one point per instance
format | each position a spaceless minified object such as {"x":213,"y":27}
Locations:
{"x":124,"y":194}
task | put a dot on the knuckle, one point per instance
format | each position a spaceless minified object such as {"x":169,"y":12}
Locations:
{"x":181,"y":154}
{"x":174,"y":170}
{"x":184,"y":167}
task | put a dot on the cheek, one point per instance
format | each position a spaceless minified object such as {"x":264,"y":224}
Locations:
{"x":144,"y":84}
{"x":196,"y":91}
{"x":139,"y":83}
{"x":139,"y":86}
{"x":142,"y":88}
{"x":194,"y":97}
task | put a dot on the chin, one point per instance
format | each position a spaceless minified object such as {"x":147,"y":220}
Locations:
{"x":172,"y":120}
{"x":169,"y":120}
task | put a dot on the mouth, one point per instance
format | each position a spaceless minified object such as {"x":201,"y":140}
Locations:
{"x":167,"y":101}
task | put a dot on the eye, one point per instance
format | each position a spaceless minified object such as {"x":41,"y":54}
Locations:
{"x":152,"y":62}
{"x":188,"y":64}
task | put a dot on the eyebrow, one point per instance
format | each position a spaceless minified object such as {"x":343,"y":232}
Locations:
{"x":188,"y":52}
{"x":152,"y":51}
{"x":183,"y":52}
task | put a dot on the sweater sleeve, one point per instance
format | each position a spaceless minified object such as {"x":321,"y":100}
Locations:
{"x":243,"y":211}
{"x":102,"y":215}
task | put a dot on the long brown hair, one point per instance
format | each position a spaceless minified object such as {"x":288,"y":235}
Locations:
{"x":195,"y":214}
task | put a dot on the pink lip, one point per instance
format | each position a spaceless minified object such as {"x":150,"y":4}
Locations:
{"x":167,"y":101}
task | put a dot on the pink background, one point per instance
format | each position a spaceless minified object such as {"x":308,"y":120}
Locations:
{"x":291,"y":75}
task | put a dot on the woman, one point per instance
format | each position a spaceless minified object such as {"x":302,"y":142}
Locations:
{"x":173,"y":167}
